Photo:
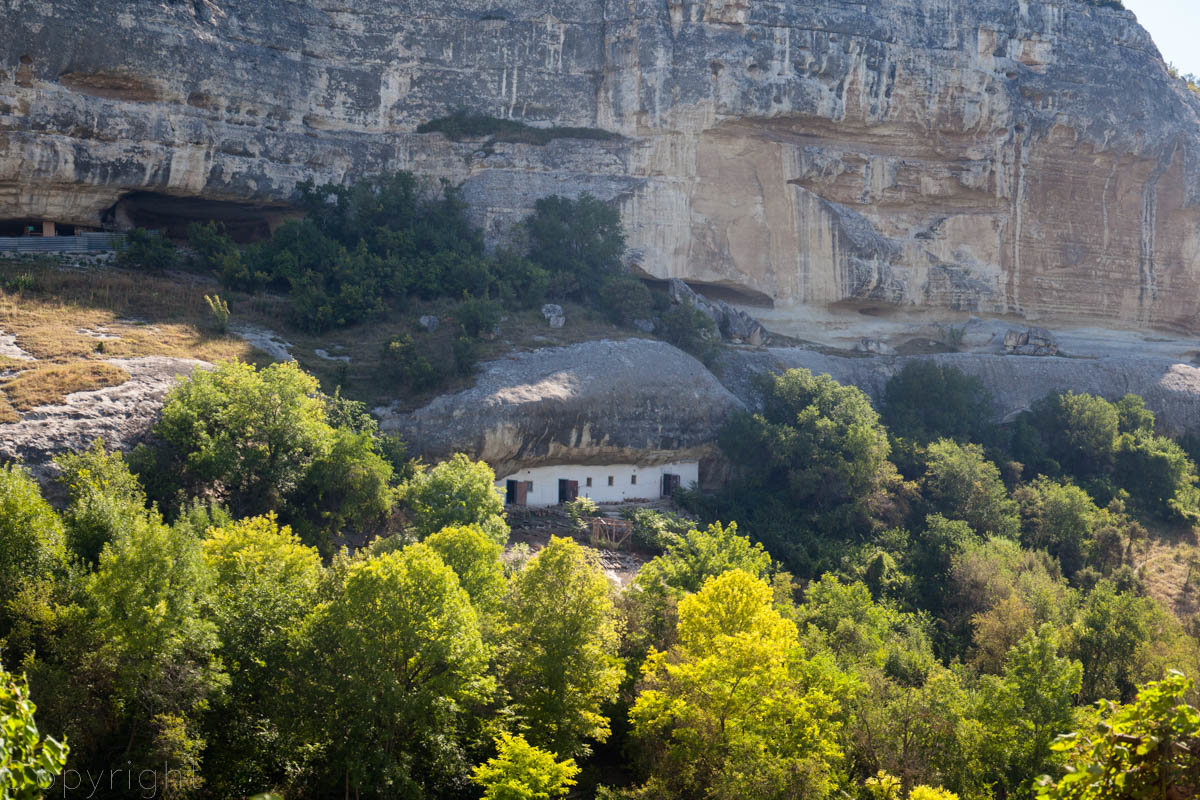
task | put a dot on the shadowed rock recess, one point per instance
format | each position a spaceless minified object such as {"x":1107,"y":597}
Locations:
{"x":994,"y":156}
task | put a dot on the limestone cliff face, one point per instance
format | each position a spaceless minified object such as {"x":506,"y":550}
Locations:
{"x":1000,"y":156}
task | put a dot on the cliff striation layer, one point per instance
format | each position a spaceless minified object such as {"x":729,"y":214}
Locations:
{"x":1028,"y":157}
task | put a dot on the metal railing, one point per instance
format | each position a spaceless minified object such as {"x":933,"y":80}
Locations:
{"x":82,"y":243}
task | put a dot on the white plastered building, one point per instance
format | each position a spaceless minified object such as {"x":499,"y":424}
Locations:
{"x":613,"y":483}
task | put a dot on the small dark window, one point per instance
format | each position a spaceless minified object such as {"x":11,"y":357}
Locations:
{"x":529,"y":486}
{"x":632,"y":480}
{"x":610,"y":480}
{"x":589,"y":482}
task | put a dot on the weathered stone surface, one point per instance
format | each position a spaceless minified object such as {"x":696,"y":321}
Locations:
{"x":601,"y":402}
{"x":429,"y":322}
{"x":553,"y":313}
{"x":1171,"y":388}
{"x":121,"y":415}
{"x":734,"y":324}
{"x":875,"y":347}
{"x":1027,"y":157}
{"x":1030,"y":342}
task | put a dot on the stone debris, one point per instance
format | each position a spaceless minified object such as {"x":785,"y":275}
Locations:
{"x":267,"y":341}
{"x":1030,"y":342}
{"x":429,"y":322}
{"x":736,"y":326}
{"x":874,"y":346}
{"x":553,"y":313}
{"x":320,"y":353}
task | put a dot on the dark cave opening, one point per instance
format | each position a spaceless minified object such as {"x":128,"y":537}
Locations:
{"x":171,"y":215}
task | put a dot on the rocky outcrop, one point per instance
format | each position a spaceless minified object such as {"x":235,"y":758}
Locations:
{"x":1171,"y":388}
{"x":120,"y":415}
{"x":733,"y":324}
{"x":602,"y":402}
{"x":1028,"y":157}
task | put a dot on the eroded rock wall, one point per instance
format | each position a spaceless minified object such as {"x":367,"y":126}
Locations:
{"x":999,"y":156}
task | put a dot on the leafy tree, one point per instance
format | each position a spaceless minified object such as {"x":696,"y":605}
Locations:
{"x":816,"y":445}
{"x":215,"y":252}
{"x":1059,"y":518}
{"x":29,"y":762}
{"x":1133,"y":416}
{"x":735,"y":709}
{"x":1146,"y":750}
{"x":475,"y":558}
{"x":154,"y":644}
{"x":265,"y":582}
{"x":260,"y":441}
{"x":347,"y":485}
{"x":692,"y":331}
{"x":1158,"y":475}
{"x":579,"y":242}
{"x":962,"y":484}
{"x":933,"y":555}
{"x":456,"y":492}
{"x":1112,"y":625}
{"x":105,"y":498}
{"x":249,"y":435}
{"x":624,"y":298}
{"x":559,"y":649}
{"x":1026,"y":707}
{"x":927,"y":401}
{"x":147,"y":251}
{"x":520,"y":771}
{"x":690,"y":559}
{"x":697,"y":555}
{"x":1079,"y":431}
{"x":844,"y":620}
{"x":398,"y":656}
{"x":31,"y":538}
{"x":921,"y":733}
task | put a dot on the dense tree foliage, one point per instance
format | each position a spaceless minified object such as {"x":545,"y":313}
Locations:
{"x":29,"y":761}
{"x":261,"y":441}
{"x":861,"y":634}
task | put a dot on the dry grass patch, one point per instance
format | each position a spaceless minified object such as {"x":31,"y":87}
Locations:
{"x":51,"y":308}
{"x":49,"y":384}
{"x":7,"y":412}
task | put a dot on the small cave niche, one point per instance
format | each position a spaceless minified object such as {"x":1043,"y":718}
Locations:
{"x":20,"y":227}
{"x":170,"y":215}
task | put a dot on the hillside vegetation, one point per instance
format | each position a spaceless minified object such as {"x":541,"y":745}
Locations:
{"x":926,"y":617}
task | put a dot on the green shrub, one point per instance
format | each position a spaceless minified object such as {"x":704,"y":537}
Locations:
{"x":478,"y":315}
{"x":624,"y":298}
{"x":579,"y":242}
{"x":692,"y":331}
{"x":148,"y":251}
{"x":466,"y":354}
{"x":213,"y":250}
{"x":30,"y":762}
{"x":402,"y":359}
{"x":465,"y":125}
{"x":219,"y":312}
{"x":519,"y":282}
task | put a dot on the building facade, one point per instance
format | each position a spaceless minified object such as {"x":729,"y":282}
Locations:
{"x":614,"y":483}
